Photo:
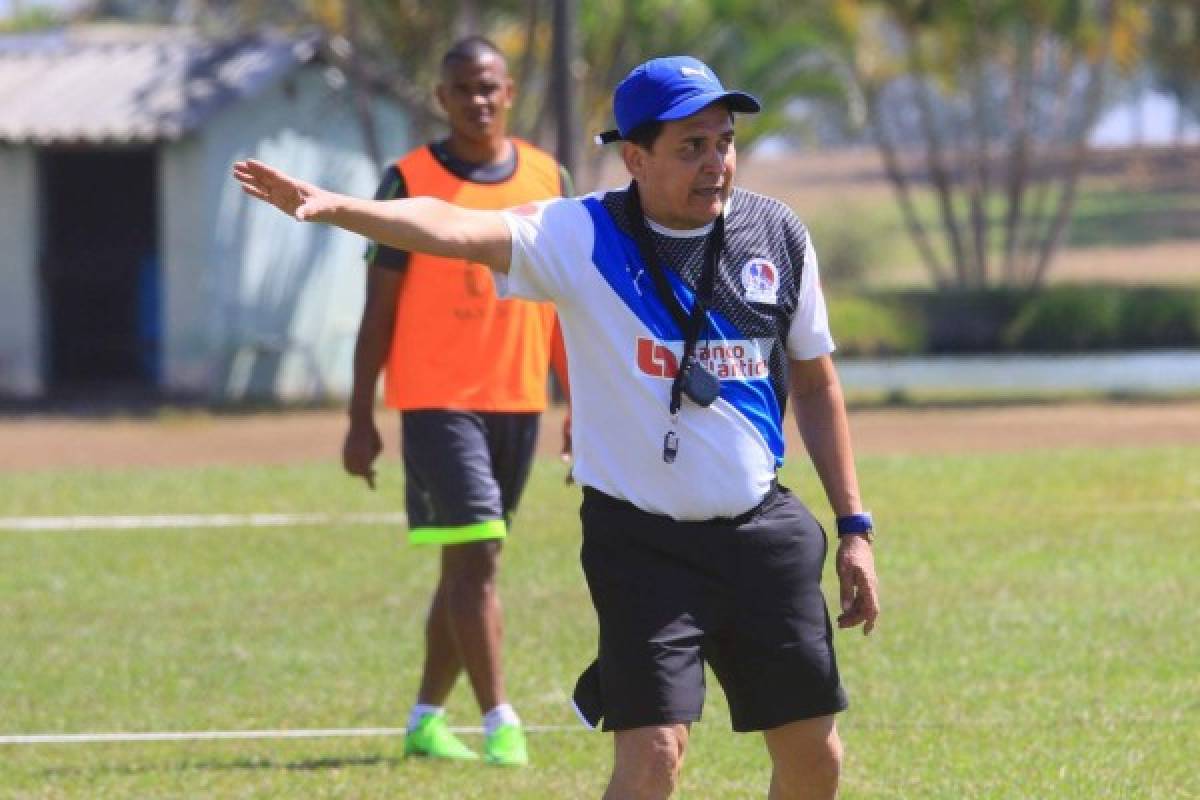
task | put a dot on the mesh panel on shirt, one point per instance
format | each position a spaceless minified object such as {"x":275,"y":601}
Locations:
{"x":755,"y":227}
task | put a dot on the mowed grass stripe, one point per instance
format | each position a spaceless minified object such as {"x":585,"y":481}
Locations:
{"x":203,"y":736}
{"x":113,"y":522}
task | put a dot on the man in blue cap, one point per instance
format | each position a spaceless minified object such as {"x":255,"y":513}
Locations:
{"x":692,"y":312}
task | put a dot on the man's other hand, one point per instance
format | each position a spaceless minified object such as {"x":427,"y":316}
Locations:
{"x":859,"y":585}
{"x":566,"y":455}
{"x":362,"y":446}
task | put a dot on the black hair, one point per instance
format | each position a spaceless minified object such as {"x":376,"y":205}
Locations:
{"x":646,"y":134}
{"x":470,"y":49}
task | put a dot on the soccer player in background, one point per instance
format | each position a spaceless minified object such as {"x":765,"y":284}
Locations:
{"x":467,"y":372}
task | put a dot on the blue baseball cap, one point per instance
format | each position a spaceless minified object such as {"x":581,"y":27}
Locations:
{"x":663,"y":89}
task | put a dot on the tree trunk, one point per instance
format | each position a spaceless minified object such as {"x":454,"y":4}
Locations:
{"x":912,"y":220}
{"x":563,"y":82}
{"x":979,"y":185}
{"x":526,"y":119}
{"x":936,"y":162}
{"x":1019,"y":155}
{"x":1080,"y":150}
{"x":1032,"y":223}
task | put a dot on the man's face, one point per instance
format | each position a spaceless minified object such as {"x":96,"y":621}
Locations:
{"x":687,"y":176}
{"x":476,"y":96}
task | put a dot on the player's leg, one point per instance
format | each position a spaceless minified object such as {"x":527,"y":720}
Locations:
{"x":653,"y":600}
{"x":646,"y":762}
{"x":806,"y":759}
{"x":775,"y":656}
{"x":453,"y":502}
{"x":511,"y":440}
{"x":468,"y":583}
{"x":442,"y":664}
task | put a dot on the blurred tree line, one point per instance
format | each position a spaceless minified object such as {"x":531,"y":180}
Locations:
{"x":988,"y":104}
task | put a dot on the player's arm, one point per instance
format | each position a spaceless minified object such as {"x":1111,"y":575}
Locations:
{"x":416,"y":224}
{"x":558,"y":363}
{"x":558,"y":360}
{"x":363,"y":443}
{"x":820,"y":411}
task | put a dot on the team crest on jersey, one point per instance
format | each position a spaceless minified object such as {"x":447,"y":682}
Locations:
{"x":760,"y":279}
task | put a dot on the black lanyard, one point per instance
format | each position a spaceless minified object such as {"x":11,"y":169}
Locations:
{"x":699,"y":385}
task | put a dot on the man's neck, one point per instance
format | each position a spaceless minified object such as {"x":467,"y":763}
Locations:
{"x":479,"y":153}
{"x":673,"y":222}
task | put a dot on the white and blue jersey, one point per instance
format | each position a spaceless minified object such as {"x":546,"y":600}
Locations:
{"x":624,"y":346}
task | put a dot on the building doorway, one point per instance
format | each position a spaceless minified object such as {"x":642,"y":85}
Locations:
{"x":100,"y":270}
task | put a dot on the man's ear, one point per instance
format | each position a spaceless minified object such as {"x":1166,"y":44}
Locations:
{"x":634,"y":157}
{"x":510,"y":92}
{"x":439,"y":92}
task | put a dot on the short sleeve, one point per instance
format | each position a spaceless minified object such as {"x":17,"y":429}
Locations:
{"x":391,"y":187}
{"x":551,"y":243}
{"x":809,"y":336}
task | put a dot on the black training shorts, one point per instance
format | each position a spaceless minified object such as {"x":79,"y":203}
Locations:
{"x":464,"y":472}
{"x":741,"y":594}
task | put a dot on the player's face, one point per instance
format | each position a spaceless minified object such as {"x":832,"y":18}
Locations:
{"x":476,"y":96}
{"x":687,"y":176}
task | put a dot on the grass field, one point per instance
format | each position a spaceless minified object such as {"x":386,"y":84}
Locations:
{"x":1039,"y":638}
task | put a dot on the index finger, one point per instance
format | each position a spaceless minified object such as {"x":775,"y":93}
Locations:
{"x":869,"y":603}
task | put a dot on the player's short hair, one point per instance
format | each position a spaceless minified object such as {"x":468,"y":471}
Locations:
{"x":470,"y":49}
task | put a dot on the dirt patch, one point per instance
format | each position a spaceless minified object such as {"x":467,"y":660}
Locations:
{"x":282,"y":438}
{"x":1020,"y":428}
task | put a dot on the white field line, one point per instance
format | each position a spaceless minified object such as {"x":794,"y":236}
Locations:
{"x":93,"y":523}
{"x":1173,"y":719}
{"x":185,"y":736}
{"x":178,"y":521}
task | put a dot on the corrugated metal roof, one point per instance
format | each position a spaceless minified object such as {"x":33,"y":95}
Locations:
{"x":131,"y":85}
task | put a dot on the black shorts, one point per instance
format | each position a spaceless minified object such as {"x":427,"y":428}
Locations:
{"x":741,"y":594}
{"x":464,"y":472}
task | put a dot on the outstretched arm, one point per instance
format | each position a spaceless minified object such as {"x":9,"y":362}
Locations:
{"x":417,"y":224}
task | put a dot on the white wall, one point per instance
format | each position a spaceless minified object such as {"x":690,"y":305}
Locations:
{"x":21,"y":373}
{"x":255,"y":303}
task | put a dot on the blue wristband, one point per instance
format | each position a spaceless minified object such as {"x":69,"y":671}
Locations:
{"x":855,"y":523}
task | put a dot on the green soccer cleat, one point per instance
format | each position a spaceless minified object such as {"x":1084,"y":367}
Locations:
{"x":432,"y":738}
{"x":506,"y":747}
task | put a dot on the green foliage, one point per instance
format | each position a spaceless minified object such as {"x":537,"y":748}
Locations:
{"x":772,"y":48}
{"x":961,"y":320}
{"x":1059,"y":319}
{"x":33,"y":19}
{"x":848,"y":248}
{"x":1162,"y":317}
{"x":864,"y":326}
{"x":1077,"y":319}
{"x":1098,"y":317}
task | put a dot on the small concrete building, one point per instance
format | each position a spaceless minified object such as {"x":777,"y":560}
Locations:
{"x":130,"y":261}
